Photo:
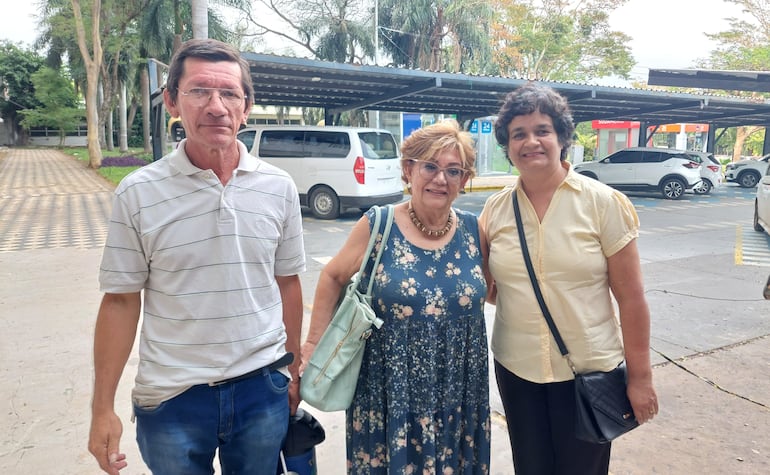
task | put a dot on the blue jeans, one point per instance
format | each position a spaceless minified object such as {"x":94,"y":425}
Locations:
{"x":246,"y":420}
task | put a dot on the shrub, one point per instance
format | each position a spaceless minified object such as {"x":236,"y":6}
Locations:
{"x":124,"y":161}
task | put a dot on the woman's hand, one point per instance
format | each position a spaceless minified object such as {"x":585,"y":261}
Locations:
{"x":643,"y":398}
{"x":306,"y":352}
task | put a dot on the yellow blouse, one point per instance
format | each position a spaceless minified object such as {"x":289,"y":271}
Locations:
{"x":585,"y":223}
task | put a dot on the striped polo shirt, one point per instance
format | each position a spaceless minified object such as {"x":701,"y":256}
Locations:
{"x":206,"y":256}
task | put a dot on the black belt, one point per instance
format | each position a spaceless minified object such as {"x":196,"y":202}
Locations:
{"x":284,"y":360}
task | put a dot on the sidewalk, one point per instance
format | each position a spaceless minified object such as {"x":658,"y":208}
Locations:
{"x":490,"y":182}
{"x":53,"y":212}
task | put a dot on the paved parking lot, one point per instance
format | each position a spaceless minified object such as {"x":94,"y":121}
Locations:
{"x":53,"y":212}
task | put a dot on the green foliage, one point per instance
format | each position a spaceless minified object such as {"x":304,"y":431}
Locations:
{"x":16,"y":68}
{"x":745,"y":46}
{"x":437,"y":35}
{"x":586,"y":136}
{"x":58,"y":104}
{"x":331,"y":30}
{"x":754,"y":143}
{"x":554,"y":40}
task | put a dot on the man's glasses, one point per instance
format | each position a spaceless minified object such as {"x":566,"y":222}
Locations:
{"x":200,"y":96}
{"x":429,"y":170}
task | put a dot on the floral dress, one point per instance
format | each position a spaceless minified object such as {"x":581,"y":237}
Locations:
{"x":422,"y":401}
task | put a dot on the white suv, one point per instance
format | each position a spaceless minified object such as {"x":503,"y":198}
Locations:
{"x":747,"y":172}
{"x":646,"y":168}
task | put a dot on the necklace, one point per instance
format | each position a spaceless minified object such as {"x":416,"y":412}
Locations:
{"x":423,"y":229}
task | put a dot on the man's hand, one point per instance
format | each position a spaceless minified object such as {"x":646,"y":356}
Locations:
{"x":104,"y":440}
{"x":294,"y":397}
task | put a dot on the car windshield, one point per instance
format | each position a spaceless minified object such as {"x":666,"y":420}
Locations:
{"x":378,"y":145}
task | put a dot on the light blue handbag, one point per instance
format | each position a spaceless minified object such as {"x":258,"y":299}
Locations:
{"x":329,"y":380}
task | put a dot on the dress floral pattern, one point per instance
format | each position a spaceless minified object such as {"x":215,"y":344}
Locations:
{"x":422,"y":401}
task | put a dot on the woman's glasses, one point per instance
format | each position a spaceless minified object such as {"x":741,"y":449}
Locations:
{"x":429,"y":170}
{"x":200,"y":96}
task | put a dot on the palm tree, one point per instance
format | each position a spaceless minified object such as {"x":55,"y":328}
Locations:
{"x":332,"y":30}
{"x":436,"y":34}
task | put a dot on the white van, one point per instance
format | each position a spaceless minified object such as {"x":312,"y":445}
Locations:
{"x":334,"y":167}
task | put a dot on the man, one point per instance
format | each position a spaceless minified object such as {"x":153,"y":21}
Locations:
{"x":213,"y":237}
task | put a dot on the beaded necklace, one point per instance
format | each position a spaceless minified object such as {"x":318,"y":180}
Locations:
{"x":429,"y":232}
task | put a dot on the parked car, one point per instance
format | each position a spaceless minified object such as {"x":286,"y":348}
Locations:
{"x":333,"y":167}
{"x":710,"y":172}
{"x":646,"y":168}
{"x":762,"y":204}
{"x":747,"y":172}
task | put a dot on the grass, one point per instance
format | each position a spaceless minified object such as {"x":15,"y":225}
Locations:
{"x":112,"y":173}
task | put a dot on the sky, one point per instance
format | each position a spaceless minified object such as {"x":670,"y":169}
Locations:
{"x":666,"y":33}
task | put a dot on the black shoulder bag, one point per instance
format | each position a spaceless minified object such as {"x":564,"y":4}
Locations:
{"x":603,"y":411}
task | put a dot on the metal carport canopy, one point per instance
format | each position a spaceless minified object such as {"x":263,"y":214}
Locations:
{"x":756,"y":81}
{"x":339,"y":87}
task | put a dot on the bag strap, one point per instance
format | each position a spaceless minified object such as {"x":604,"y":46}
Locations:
{"x":372,"y":242}
{"x":370,"y":246}
{"x":535,"y":285}
{"x":388,"y":224}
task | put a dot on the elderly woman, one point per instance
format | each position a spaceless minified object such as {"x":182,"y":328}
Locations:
{"x":421,"y":404}
{"x":581,"y":236}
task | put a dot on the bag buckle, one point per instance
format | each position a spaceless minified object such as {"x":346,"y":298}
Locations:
{"x":366,"y":334}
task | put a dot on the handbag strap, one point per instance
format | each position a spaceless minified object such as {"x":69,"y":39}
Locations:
{"x":535,"y":285}
{"x":372,"y":242}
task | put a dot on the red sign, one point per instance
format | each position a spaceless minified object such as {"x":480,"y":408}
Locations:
{"x":614,"y":124}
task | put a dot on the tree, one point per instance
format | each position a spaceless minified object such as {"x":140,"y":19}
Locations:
{"x":745,"y":46}
{"x":103,"y":74}
{"x":59,"y":104}
{"x":437,"y":35}
{"x":332,"y":30}
{"x":92,"y":58}
{"x":557,"y":40}
{"x":17,"y":66}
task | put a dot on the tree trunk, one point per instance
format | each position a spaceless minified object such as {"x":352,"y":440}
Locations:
{"x":740,"y":139}
{"x":123,"y":135}
{"x":200,"y":18}
{"x":110,"y":131}
{"x":741,"y":134}
{"x":145,"y":78}
{"x":93,"y":66}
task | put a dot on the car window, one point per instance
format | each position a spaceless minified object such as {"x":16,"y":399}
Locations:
{"x":624,"y":157}
{"x":378,"y":145}
{"x":693,"y":157}
{"x":247,"y":137}
{"x":281,"y":143}
{"x":326,"y":144}
{"x":655,"y":157}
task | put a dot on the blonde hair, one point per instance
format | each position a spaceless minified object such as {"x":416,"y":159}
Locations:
{"x":427,"y":142}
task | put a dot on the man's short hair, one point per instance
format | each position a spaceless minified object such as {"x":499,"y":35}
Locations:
{"x":210,"y":50}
